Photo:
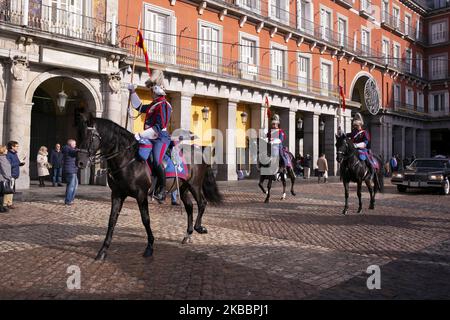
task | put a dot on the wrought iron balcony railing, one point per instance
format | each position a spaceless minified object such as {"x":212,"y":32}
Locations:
{"x":204,"y":62}
{"x":50,"y":19}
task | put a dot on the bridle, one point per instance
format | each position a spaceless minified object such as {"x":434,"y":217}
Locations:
{"x":344,"y":155}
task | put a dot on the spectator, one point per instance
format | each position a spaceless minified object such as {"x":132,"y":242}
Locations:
{"x":322,"y":165}
{"x":13,"y":148}
{"x":42,"y":165}
{"x":56,"y":160}
{"x":298,"y":166}
{"x":5,"y":173}
{"x":400,"y":166}
{"x":70,"y":170}
{"x":393,"y":164}
{"x":307,"y":167}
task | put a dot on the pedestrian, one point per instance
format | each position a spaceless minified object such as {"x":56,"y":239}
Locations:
{"x":56,"y":160}
{"x":322,"y":166}
{"x":70,"y":170}
{"x":13,"y":149}
{"x":298,"y":166}
{"x":5,"y":174}
{"x":307,"y":167}
{"x":42,"y":165}
{"x":393,"y":164}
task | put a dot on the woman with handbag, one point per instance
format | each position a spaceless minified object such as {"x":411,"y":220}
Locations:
{"x":42,"y":165}
{"x":5,"y":175}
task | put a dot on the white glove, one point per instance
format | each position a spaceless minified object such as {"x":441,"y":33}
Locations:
{"x":360,"y":145}
{"x":137,"y":136}
{"x":149,"y":134}
{"x":132,"y":87}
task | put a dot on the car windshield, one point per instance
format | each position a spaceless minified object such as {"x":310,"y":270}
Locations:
{"x":430,"y":164}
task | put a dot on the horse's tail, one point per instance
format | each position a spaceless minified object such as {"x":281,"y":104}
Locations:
{"x":210,"y":189}
{"x":379,"y":177}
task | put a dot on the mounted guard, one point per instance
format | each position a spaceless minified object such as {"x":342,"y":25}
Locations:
{"x":154,"y":139}
{"x":276,"y":137}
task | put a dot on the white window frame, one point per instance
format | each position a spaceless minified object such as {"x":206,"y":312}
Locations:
{"x":409,"y":97}
{"x":396,"y":23}
{"x":431,"y":107}
{"x":345,"y":19}
{"x":277,"y":46}
{"x":308,"y":24}
{"x":409,"y":58}
{"x":384,"y":9}
{"x":397,"y":95}
{"x":408,"y":26}
{"x":169,"y":53}
{"x":438,"y":75}
{"x":444,"y":31}
{"x":397,"y":57}
{"x":256,"y":8}
{"x":206,"y":66}
{"x":420,"y":101}
{"x":419,"y":64}
{"x":325,"y":91}
{"x":309,"y":75}
{"x":245,"y":68}
{"x":387,"y":55}
{"x":369,"y":36}
{"x":284,"y":10}
{"x":323,"y":33}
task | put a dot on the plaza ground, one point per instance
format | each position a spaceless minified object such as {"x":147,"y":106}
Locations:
{"x":298,"y":248}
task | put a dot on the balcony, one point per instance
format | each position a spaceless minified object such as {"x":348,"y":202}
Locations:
{"x":345,"y":3}
{"x":190,"y":60}
{"x":59,"y":22}
{"x":365,"y":8}
{"x":392,"y":22}
{"x":251,"y":5}
{"x":439,"y":37}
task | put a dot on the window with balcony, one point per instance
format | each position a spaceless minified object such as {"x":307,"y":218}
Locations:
{"x":210,"y":50}
{"x":409,"y":97}
{"x":278,"y":64}
{"x":249,"y":57}
{"x":385,"y":51}
{"x":396,"y":17}
{"x":158,"y":23}
{"x":326,"y":77}
{"x":304,"y":68}
{"x":305,"y":16}
{"x":65,"y":16}
{"x":365,"y":41}
{"x":408,"y":60}
{"x":397,"y":96}
{"x":396,"y":55}
{"x":438,"y":103}
{"x":325,"y":24}
{"x":342,"y":30}
{"x":420,"y":101}
{"x":419,"y":64}
{"x":438,"y":32}
{"x":384,"y":11}
{"x":438,"y":68}
{"x":408,"y":29}
{"x":252,"y":5}
{"x":279,"y":10}
{"x":439,"y":4}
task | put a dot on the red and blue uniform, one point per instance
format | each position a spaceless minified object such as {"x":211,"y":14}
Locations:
{"x":359,"y":136}
{"x":157,"y":117}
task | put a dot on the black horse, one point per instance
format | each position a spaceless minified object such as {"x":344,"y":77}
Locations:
{"x":354,"y":170}
{"x":129,"y":176}
{"x":269,"y":171}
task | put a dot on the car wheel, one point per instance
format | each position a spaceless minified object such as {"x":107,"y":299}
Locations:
{"x":401,"y":188}
{"x":446,"y":188}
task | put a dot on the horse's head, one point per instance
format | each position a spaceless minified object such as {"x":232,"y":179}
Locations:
{"x":90,"y":142}
{"x":344,"y":147}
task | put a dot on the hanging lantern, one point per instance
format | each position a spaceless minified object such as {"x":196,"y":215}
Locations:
{"x":321,"y":125}
{"x":205,"y":113}
{"x":62,"y":99}
{"x":244,"y":118}
{"x":299,"y":124}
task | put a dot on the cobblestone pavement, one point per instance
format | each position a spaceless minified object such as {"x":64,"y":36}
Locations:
{"x":298,"y":248}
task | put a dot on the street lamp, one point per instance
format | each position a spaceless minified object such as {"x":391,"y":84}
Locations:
{"x":244,"y":118}
{"x":205,"y":113}
{"x":62,"y":99}
{"x":299,"y":124}
{"x":321,"y":126}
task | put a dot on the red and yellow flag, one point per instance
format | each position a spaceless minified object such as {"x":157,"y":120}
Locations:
{"x":269,"y":113}
{"x":141,"y":44}
{"x":341,"y":92}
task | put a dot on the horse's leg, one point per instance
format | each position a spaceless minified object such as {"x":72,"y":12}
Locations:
{"x":371,"y":192}
{"x":142,"y":201}
{"x":197,"y":193}
{"x":283,"y":181}
{"x":269,"y":186}
{"x":116,"y":205}
{"x":260,"y":184}
{"x":346,"y":185}
{"x":292,"y":176}
{"x":358,"y":192}
{"x":189,"y":210}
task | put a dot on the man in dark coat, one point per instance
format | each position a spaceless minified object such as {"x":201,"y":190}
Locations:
{"x":13,"y":148}
{"x":70,"y":170}
{"x":56,"y":160}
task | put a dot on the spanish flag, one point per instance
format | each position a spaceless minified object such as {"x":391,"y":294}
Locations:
{"x":267,"y":104}
{"x":141,"y":44}
{"x":341,"y":92}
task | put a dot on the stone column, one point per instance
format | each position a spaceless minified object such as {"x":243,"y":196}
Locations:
{"x":311,"y":137}
{"x":257,"y":122}
{"x":376,"y":137}
{"x":330,"y":144}
{"x":410,"y":142}
{"x":227,"y":125}
{"x":113,"y":98}
{"x":389,"y":148}
{"x":423,"y":143}
{"x":181,"y":112}
{"x":18,"y":116}
{"x":287,"y":119}
{"x":399,"y":141}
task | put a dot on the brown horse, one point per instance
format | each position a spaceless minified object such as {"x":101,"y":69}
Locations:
{"x":130,"y":177}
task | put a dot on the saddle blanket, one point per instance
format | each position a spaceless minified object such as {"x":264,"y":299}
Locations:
{"x":365,"y":154}
{"x":181,"y":167}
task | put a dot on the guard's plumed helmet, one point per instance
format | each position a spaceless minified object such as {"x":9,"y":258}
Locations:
{"x":276,"y":119}
{"x":156,"y":82}
{"x":358,"y":120}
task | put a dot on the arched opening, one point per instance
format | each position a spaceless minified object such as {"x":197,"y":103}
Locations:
{"x":50,"y":123}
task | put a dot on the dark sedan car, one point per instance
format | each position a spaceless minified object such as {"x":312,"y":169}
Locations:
{"x":424,"y":173}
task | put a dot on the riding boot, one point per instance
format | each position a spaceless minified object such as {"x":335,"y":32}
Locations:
{"x":160,"y":190}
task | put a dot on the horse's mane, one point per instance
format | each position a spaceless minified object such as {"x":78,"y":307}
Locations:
{"x":113,"y":133}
